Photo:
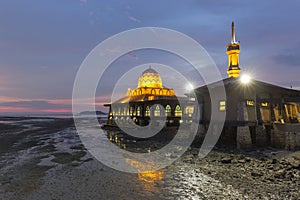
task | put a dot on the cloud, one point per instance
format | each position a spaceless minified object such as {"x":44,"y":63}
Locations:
{"x":35,"y":105}
{"x":10,"y":104}
{"x":130,"y":56}
{"x":134,"y":19}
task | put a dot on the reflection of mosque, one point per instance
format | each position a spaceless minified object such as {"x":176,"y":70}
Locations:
{"x":150,"y":100}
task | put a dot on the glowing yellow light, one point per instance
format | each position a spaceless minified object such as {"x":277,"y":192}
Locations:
{"x":250,"y":103}
{"x":245,"y":79}
{"x":151,"y":177}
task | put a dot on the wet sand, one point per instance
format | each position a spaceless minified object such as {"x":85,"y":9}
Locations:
{"x":44,"y":159}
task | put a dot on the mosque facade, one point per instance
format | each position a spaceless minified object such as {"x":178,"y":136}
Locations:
{"x":150,"y":101}
{"x":257,"y":113}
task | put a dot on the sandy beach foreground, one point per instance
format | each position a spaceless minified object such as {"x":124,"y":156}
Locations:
{"x":43,"y":158}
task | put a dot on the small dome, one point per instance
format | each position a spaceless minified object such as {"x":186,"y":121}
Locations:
{"x":150,"y":78}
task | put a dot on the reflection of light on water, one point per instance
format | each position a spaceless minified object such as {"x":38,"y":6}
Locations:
{"x":150,"y":178}
{"x":144,"y":171}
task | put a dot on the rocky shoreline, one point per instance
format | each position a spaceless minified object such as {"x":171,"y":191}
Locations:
{"x":256,"y":175}
{"x":44,"y":159}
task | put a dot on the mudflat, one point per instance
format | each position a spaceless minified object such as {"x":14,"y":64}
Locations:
{"x":43,"y":158}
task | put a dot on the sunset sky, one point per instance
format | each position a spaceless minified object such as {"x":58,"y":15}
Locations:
{"x":43,"y":43}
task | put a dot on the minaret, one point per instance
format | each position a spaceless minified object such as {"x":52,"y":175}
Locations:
{"x":233,"y":50}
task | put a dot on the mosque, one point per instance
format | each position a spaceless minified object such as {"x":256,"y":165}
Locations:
{"x":257,"y":113}
{"x":150,"y":100}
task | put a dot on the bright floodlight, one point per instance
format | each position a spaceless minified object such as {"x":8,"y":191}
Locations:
{"x":189,"y":87}
{"x":245,"y":78}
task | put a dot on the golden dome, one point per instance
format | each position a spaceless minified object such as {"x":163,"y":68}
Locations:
{"x":150,"y":83}
{"x":150,"y":78}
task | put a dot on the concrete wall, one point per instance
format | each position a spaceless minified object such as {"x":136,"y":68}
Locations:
{"x":243,"y":137}
{"x":286,"y":136}
{"x":262,"y":136}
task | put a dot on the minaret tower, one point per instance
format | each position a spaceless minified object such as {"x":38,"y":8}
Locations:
{"x":233,"y":50}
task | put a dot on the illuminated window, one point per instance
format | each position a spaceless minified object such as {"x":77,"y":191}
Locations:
{"x":168,"y":110}
{"x":222,"y":105}
{"x":126,"y":111}
{"x":157,"y":111}
{"x":147,"y":112}
{"x":189,"y":111}
{"x":138,"y":111}
{"x":264,"y":104}
{"x":151,"y":98}
{"x":131,"y":111}
{"x":178,"y":112}
{"x":250,"y":103}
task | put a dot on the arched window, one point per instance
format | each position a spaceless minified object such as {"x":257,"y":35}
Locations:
{"x":126,"y":111}
{"x":178,"y":111}
{"x":168,"y":110}
{"x":131,"y":111}
{"x":138,"y":111}
{"x":189,"y":111}
{"x":147,"y":111}
{"x":153,"y":92}
{"x":119,"y":111}
{"x":157,"y":111}
{"x":139,"y":92}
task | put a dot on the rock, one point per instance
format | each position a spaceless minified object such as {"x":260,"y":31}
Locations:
{"x":195,"y":152}
{"x":280,"y":173}
{"x":242,"y":161}
{"x":173,"y":156}
{"x":226,"y":160}
{"x":188,"y":159}
{"x":295,"y":165}
{"x":256,"y":174}
{"x":274,"y":161}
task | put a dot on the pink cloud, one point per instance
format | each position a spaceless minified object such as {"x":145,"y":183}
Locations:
{"x":12,"y":104}
{"x":16,"y":109}
{"x":57,"y":110}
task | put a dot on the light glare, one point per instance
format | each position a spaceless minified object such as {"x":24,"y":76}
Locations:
{"x":245,"y":78}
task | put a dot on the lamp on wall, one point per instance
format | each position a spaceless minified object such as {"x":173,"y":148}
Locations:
{"x":245,"y":79}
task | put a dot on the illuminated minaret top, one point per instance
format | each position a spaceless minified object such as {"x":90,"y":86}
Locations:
{"x":233,"y":50}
